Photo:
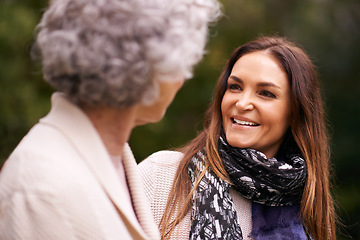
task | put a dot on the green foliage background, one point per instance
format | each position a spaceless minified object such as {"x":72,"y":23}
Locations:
{"x":329,"y":30}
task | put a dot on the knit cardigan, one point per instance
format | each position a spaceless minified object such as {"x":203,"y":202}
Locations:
{"x":158,"y":173}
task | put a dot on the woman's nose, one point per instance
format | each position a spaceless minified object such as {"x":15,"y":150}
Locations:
{"x":244,"y":103}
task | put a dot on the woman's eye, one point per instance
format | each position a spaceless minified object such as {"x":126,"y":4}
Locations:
{"x":233,"y":86}
{"x":267,"y":94}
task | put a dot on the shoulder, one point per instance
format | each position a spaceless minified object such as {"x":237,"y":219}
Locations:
{"x":163,"y":158}
{"x":157,"y":174}
{"x":43,"y":166}
{"x":162,"y":164}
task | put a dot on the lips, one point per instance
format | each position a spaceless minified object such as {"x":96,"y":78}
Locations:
{"x":244,"y":122}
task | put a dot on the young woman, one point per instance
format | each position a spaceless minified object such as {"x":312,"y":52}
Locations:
{"x":260,"y":167}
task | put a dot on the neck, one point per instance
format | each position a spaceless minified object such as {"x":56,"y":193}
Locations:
{"x":113,"y":125}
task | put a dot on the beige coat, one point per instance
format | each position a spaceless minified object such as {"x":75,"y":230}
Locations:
{"x":60,"y":183}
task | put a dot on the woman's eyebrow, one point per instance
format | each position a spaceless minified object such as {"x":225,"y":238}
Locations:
{"x":268,"y":84}
{"x":236,"y":78}
{"x":260,"y":84}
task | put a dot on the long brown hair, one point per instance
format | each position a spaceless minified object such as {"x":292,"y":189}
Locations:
{"x":307,"y":126}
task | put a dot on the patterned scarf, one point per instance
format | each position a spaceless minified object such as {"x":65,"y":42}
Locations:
{"x":275,"y":187}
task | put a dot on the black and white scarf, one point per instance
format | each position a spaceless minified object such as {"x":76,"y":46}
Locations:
{"x":274,"y":186}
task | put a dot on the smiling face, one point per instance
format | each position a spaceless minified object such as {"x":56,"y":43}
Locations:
{"x":256,"y":105}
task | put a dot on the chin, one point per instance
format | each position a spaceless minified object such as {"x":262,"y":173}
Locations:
{"x":235,"y":142}
{"x":158,"y":117}
{"x":153,"y":119}
{"x":139,"y":123}
{"x":237,"y":145}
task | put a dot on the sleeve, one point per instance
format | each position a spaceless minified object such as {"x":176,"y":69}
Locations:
{"x":33,"y":216}
{"x":147,"y":170}
{"x":157,"y":173}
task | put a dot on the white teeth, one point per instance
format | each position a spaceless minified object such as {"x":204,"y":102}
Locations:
{"x":244,"y":122}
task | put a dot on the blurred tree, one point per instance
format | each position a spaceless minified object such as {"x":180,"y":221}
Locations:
{"x":23,"y":95}
{"x":328,"y":30}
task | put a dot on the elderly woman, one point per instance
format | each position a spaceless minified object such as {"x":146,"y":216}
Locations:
{"x":115,"y":64}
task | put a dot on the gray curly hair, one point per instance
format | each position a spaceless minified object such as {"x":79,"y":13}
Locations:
{"x":112,"y":52}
